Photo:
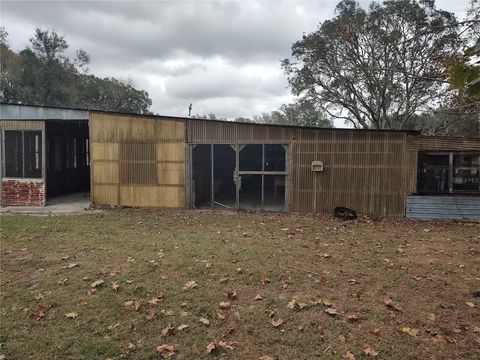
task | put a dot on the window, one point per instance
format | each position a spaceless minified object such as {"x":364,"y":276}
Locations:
{"x":23,"y":154}
{"x":466,"y":170}
{"x":448,"y":172}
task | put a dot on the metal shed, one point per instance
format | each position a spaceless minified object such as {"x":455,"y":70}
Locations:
{"x":163,"y":161}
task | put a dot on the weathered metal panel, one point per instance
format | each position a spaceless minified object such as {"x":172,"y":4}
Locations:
{"x":27,"y":112}
{"x":443,"y":207}
{"x":363,"y":170}
{"x":137,"y":161}
{"x":439,"y":143}
{"x":22,"y":125}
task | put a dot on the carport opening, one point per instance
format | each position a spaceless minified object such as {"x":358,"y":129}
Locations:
{"x":67,"y":160}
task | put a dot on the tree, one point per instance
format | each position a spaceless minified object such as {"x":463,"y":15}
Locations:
{"x":297,"y":114}
{"x":42,"y":74}
{"x":375,"y":68}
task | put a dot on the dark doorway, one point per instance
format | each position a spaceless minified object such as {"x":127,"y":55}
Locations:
{"x":67,"y":157}
{"x":202,"y":176}
{"x":224,"y":159}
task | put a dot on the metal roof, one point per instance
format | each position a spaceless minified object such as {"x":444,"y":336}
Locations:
{"x":56,"y":113}
{"x":29,"y":112}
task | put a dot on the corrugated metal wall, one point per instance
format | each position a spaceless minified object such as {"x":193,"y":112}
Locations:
{"x":443,"y":207}
{"x":137,"y":161}
{"x":363,"y":170}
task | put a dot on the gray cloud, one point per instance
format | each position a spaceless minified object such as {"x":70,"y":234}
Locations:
{"x":224,"y":56}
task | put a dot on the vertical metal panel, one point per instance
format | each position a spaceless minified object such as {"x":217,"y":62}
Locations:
{"x":363,"y":170}
{"x":137,"y":161}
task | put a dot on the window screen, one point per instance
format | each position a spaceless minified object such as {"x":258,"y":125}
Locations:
{"x":32,"y":154}
{"x":433,"y":173}
{"x":23,"y":154}
{"x":13,"y":154}
{"x":138,"y":163}
{"x":466,"y":172}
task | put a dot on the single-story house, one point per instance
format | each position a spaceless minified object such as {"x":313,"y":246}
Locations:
{"x":180,"y":162}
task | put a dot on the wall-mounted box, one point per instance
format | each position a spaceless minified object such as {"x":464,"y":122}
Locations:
{"x":317,"y":166}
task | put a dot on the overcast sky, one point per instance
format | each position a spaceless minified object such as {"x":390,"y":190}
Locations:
{"x":222,"y":56}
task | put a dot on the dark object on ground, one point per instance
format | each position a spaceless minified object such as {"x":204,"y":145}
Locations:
{"x":476,"y":293}
{"x":344,"y":213}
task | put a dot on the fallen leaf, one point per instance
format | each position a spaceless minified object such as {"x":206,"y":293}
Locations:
{"x":258,"y":297}
{"x":349,"y":356}
{"x":470,"y":304}
{"x":166,"y":313}
{"x":409,"y":331}
{"x":369,"y":350}
{"x":389,"y":303}
{"x":432,"y":317}
{"x":41,"y":312}
{"x":166,"y":351}
{"x":232,"y":294}
{"x":270,"y":313}
{"x":352,"y":318}
{"x":156,"y":299}
{"x":266,"y":280}
{"x":211,"y":347}
{"x":71,"y":315}
{"x":265,"y":357}
{"x":190,"y":285}
{"x":277,"y":323}
{"x":292,"y":305}
{"x":115,"y":286}
{"x":205,"y":321}
{"x":182,"y":327}
{"x":69,"y":266}
{"x":225,"y":305}
{"x":331,"y":311}
{"x":82,"y":302}
{"x":225,"y":345}
{"x":476,"y":329}
{"x":220,"y":316}
{"x":38,"y":296}
{"x":169,"y":330}
{"x":96,"y":283}
{"x":151,"y":314}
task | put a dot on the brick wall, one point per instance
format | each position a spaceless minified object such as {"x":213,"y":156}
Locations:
{"x":23,"y":192}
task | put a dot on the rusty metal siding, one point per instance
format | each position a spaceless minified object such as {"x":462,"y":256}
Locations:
{"x":137,"y":161}
{"x":363,"y":170}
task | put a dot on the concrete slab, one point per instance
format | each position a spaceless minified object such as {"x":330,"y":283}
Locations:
{"x":77,"y":203}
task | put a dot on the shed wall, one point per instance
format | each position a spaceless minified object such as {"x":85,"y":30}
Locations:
{"x":433,"y":143}
{"x":363,"y":170}
{"x":137,"y":161}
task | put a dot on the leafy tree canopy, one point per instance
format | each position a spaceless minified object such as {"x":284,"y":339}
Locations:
{"x":376,"y":68}
{"x":42,"y":74}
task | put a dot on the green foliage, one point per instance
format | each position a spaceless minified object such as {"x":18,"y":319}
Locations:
{"x":298,"y":114}
{"x":375,"y":68}
{"x":42,"y":74}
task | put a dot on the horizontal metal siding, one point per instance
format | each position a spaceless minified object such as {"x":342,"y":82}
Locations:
{"x":25,"y":112}
{"x":443,"y":207}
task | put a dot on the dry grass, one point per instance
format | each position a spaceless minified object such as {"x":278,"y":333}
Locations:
{"x":423,"y":267}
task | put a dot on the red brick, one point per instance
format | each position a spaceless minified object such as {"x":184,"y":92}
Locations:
{"x":23,"y":192}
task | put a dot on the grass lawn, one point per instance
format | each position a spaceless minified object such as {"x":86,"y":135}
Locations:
{"x":291,"y":287}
